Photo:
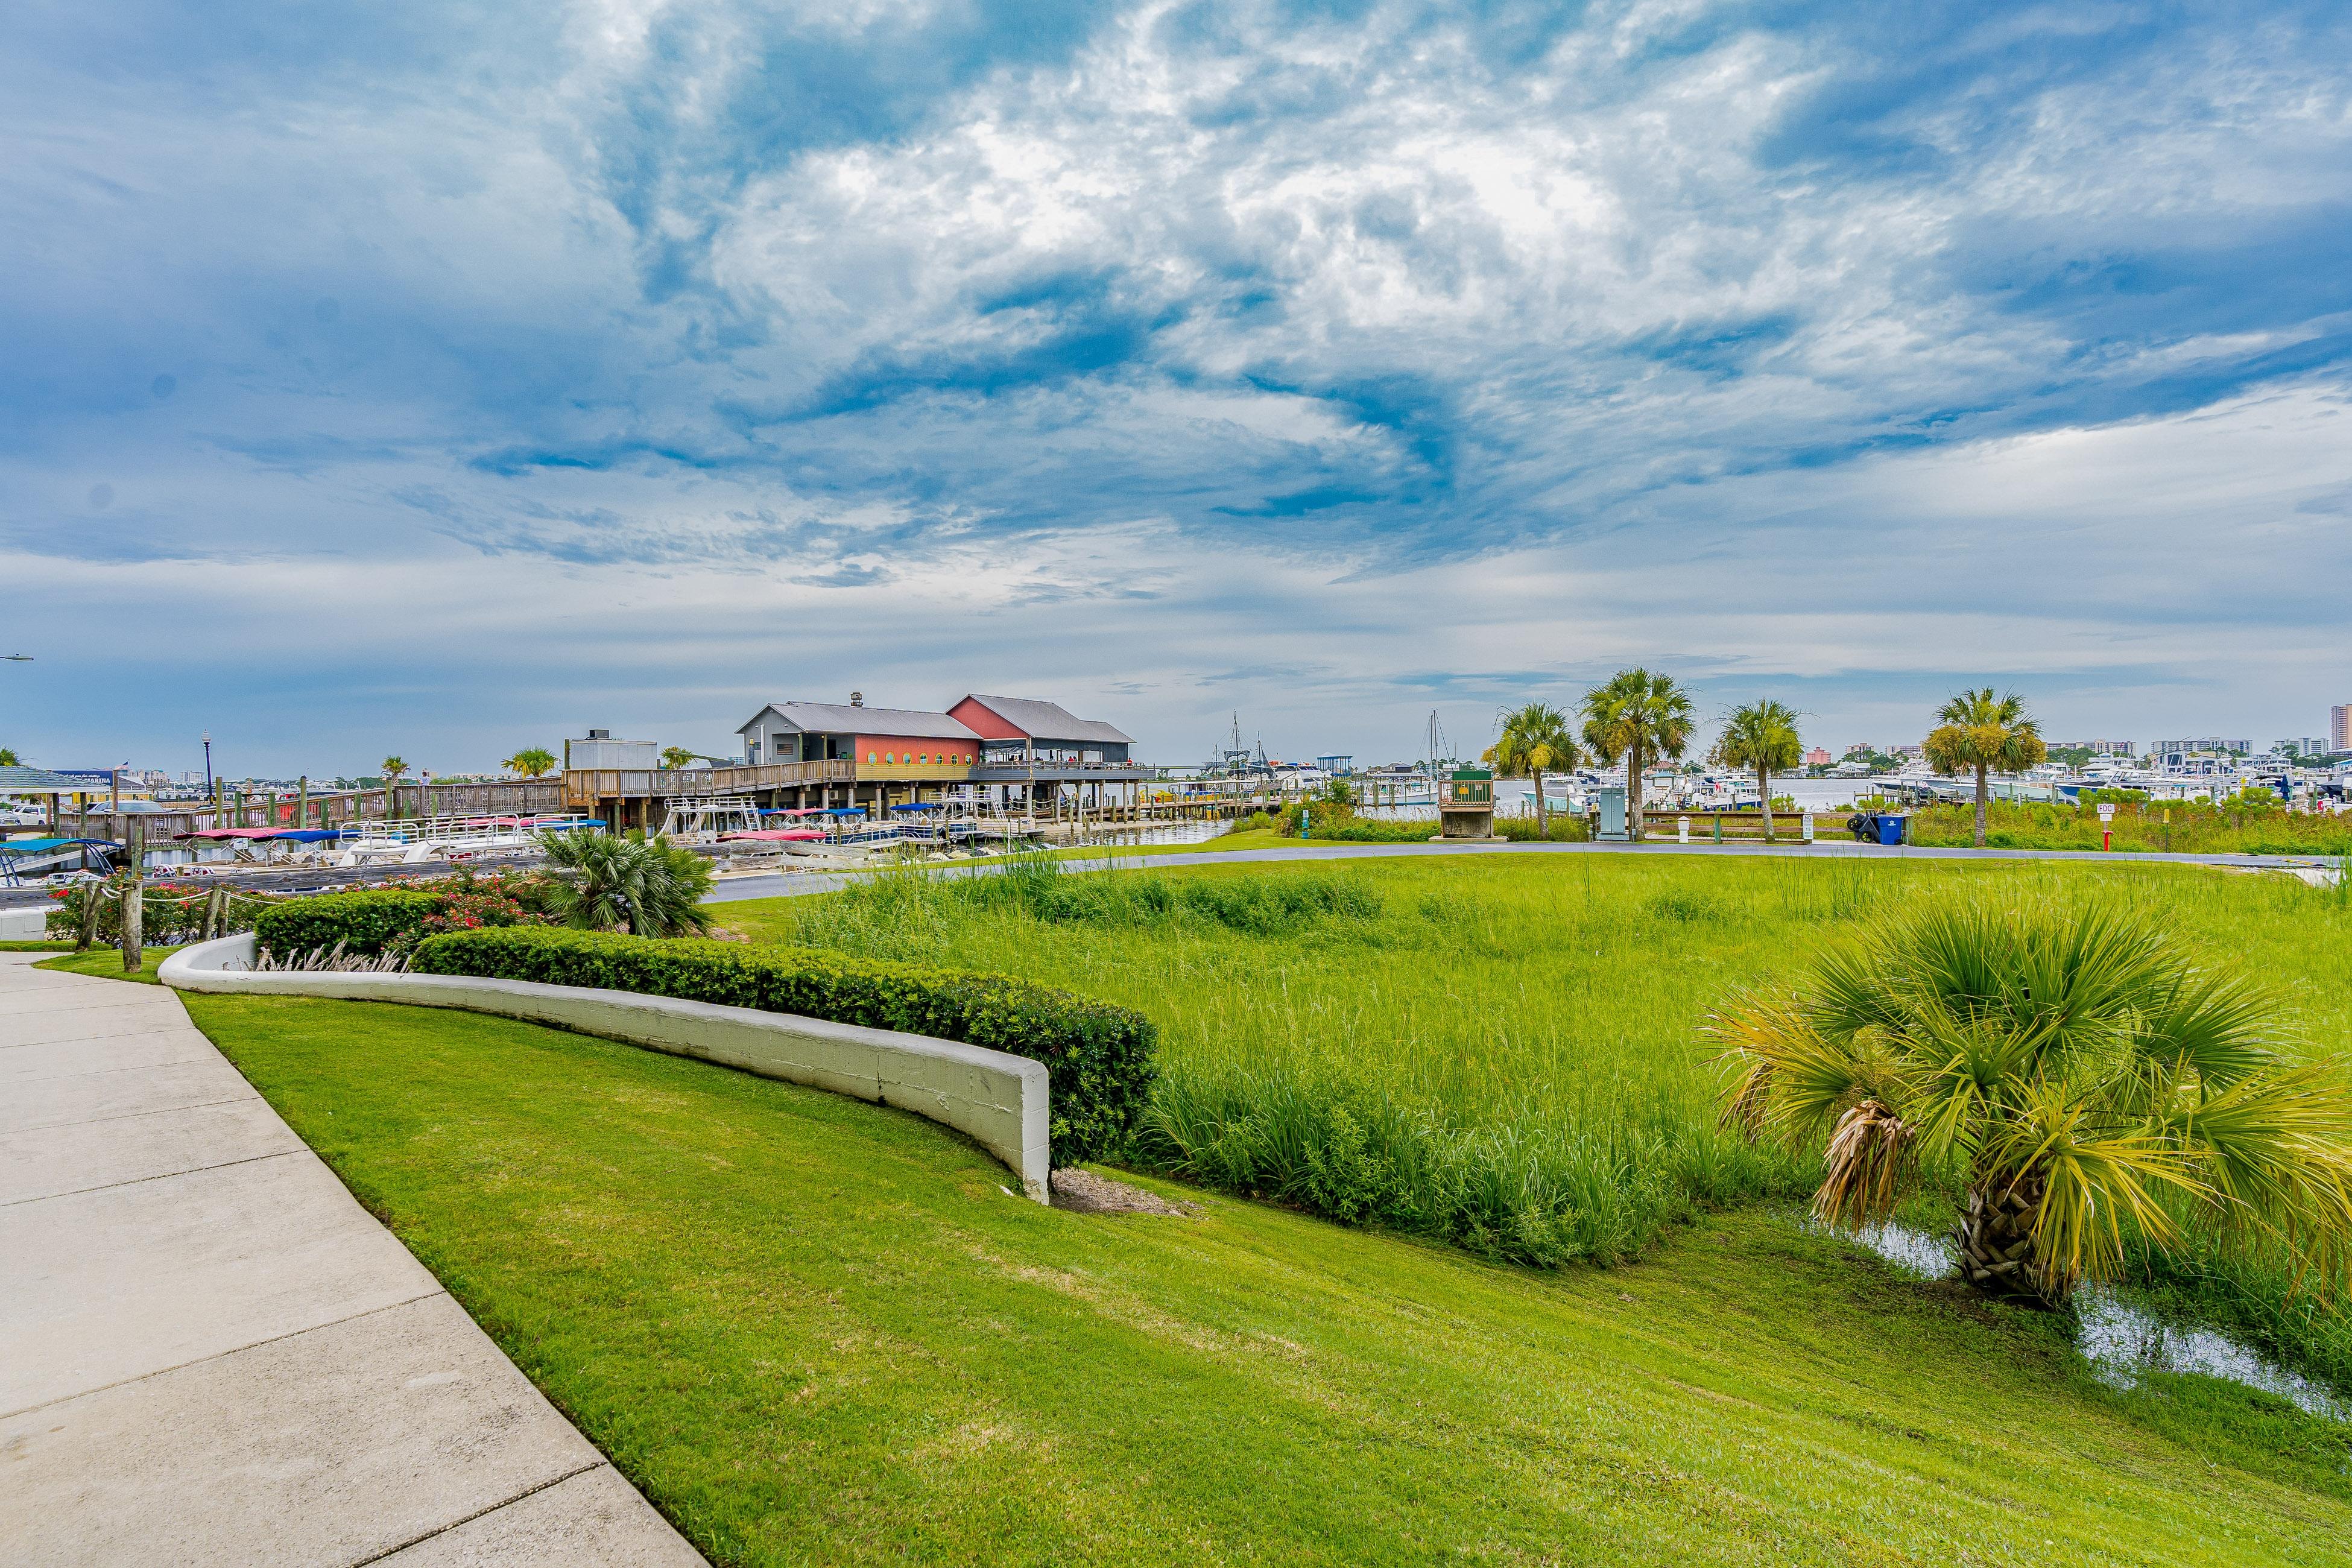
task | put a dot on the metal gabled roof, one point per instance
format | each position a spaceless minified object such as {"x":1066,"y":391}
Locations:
{"x":841,"y":719}
{"x":1043,"y":720}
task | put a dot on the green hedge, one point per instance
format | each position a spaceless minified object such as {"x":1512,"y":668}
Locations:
{"x":1100,"y":1056}
{"x":363,"y":922}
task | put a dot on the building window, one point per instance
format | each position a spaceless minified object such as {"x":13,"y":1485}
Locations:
{"x":869,"y":756}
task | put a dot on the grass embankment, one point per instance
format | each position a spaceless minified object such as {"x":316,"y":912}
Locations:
{"x":816,"y":1331}
{"x":1505,"y":1052}
{"x":2178,"y":827}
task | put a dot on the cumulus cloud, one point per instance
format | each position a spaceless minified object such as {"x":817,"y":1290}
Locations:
{"x":1312,"y":360}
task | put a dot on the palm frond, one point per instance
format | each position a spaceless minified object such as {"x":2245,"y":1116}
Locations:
{"x":2097,"y":1183}
{"x":1870,"y":1155}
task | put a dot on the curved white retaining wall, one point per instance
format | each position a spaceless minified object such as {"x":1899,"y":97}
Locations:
{"x":997,"y":1098}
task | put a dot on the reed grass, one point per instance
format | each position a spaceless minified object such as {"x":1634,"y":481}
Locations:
{"x":1500,"y":1053}
{"x":2183,"y":828}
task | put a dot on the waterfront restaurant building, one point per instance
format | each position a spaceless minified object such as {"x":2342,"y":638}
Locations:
{"x":997,"y":753}
{"x":876,"y":737}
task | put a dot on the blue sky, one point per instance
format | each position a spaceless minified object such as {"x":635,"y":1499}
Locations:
{"x":447,"y":378}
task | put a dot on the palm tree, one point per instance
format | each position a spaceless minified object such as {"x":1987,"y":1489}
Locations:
{"x":9,"y":759}
{"x":1762,"y":736}
{"x":531,"y":762}
{"x":2087,"y":1081}
{"x":1641,"y":717}
{"x":1976,"y":730}
{"x":392,"y":768}
{"x":647,"y":887}
{"x":1535,"y":741}
{"x":676,"y":757}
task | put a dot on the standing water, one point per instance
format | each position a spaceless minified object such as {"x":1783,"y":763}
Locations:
{"x":2122,"y":1342}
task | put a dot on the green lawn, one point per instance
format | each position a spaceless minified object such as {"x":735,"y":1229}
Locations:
{"x":108,"y":962}
{"x":816,"y":1331}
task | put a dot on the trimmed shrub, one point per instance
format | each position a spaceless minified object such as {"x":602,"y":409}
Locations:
{"x":1101,"y":1055}
{"x":366,"y":922}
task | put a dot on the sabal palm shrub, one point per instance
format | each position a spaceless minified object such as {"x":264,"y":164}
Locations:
{"x":646,"y":887}
{"x":2094,"y":1092}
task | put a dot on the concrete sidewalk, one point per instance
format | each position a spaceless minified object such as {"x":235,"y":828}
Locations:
{"x":210,"y":1354}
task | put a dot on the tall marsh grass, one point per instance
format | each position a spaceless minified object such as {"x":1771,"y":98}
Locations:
{"x":1502,"y":1053}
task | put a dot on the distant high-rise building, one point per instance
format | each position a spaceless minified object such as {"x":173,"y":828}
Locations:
{"x":1817,"y":757}
{"x":2339,"y":728}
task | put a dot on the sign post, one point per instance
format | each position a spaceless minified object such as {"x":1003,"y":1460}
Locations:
{"x":2107,"y":825}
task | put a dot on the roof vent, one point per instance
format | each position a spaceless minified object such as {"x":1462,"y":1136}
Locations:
{"x":857,"y":700}
{"x":599,"y":734}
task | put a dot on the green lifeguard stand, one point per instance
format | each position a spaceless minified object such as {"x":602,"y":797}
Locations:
{"x":1465,"y":804}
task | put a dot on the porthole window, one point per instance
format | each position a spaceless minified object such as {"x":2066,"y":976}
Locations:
{"x":869,"y":756}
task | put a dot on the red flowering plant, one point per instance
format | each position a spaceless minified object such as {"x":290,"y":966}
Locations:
{"x":471,"y":910}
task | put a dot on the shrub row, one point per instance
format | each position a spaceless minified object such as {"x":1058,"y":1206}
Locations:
{"x":378,"y":918}
{"x":1100,"y":1056}
{"x":366,"y":922}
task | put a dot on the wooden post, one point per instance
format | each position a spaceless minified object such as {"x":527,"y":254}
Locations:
{"x":134,"y":840}
{"x":86,"y":929}
{"x":302,"y":802}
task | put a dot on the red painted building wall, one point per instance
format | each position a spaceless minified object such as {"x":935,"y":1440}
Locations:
{"x":983,"y":720}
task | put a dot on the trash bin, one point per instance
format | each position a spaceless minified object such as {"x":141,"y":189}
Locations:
{"x":1891,"y":825}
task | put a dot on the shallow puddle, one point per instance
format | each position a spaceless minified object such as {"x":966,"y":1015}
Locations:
{"x":2122,"y":1342}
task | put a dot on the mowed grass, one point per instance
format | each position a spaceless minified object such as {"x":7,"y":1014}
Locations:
{"x":107,"y":964}
{"x":814,"y":1330}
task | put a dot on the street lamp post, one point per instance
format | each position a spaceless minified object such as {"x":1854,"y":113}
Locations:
{"x":208,"y":764}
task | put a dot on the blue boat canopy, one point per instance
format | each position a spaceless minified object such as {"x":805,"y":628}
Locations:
{"x":47,"y":846}
{"x":921,"y":805}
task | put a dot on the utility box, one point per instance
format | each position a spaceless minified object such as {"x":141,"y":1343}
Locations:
{"x":599,"y":750}
{"x":1612,"y":814}
{"x":1466,"y":809}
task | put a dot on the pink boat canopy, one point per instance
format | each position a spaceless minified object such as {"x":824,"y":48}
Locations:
{"x":777,"y":835}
